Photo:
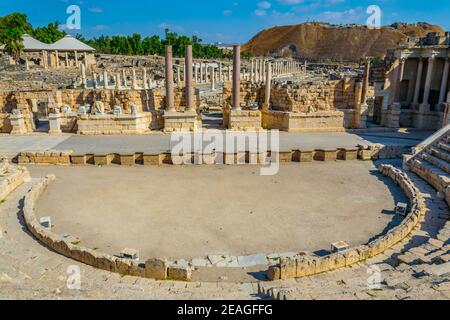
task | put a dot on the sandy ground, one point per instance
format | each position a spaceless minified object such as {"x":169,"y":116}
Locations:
{"x":190,"y":212}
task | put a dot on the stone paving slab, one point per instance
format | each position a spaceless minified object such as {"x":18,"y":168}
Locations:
{"x":159,"y":142}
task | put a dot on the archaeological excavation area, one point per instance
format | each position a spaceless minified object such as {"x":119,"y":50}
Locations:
{"x":208,"y":211}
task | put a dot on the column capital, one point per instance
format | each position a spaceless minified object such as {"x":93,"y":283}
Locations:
{"x":430,"y":54}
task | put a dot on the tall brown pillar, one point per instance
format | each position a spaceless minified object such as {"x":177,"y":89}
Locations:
{"x":426,"y":96}
{"x":170,"y":105}
{"x":189,"y":79}
{"x":365,"y":86}
{"x":398,"y":82}
{"x":236,"y":99}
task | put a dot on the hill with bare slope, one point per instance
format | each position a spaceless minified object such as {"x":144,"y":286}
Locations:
{"x":338,"y":42}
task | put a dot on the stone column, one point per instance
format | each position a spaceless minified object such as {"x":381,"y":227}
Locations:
{"x":229,"y":73}
{"x":252,"y":71}
{"x":213,"y":78}
{"x":124,"y":76}
{"x":44,"y":59}
{"x":398,"y":81}
{"x":236,"y":97}
{"x":105,"y":79}
{"x":263,"y":70}
{"x":27,"y":63}
{"x":418,"y":82}
{"x":118,"y":81}
{"x":195,"y":73}
{"x":178,"y":76}
{"x":425,"y":106}
{"x":365,"y":86}
{"x":358,"y":95}
{"x":94,"y":80}
{"x":144,"y":79}
{"x":170,"y":105}
{"x":220,"y":72}
{"x":86,"y":64}
{"x":67,"y":59}
{"x":134,"y":80}
{"x":268,"y":86}
{"x":188,"y":80}
{"x":444,"y":82}
{"x":201,"y":72}
{"x":76,"y":58}
{"x":83,"y":77}
{"x":57,"y":58}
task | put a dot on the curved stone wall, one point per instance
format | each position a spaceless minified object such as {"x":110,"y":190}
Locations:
{"x":305,"y":266}
{"x":153,"y":268}
{"x":293,"y":267}
{"x":10,"y":178}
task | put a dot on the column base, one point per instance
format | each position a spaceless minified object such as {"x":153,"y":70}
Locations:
{"x":244,"y":120}
{"x":424,"y":107}
{"x":396,"y":106}
{"x":181,"y":121}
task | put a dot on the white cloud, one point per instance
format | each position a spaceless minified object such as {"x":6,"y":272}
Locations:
{"x":96,"y":10}
{"x":290,"y":2}
{"x":101,"y":27}
{"x":260,"y":13}
{"x":264,"y":5}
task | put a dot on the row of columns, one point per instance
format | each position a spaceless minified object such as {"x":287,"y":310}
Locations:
{"x":205,"y":72}
{"x":189,"y":80}
{"x":58,"y":63}
{"x":170,"y":100}
{"x":119,"y":80}
{"x":425,"y":105}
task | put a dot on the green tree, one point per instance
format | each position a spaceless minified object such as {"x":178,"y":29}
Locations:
{"x":12,"y":28}
{"x":48,"y":34}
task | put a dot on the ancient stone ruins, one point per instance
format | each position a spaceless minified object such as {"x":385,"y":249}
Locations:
{"x":360,"y":201}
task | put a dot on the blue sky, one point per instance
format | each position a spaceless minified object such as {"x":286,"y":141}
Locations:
{"x":230,"y":21}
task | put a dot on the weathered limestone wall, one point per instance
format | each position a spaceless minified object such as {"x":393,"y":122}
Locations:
{"x":76,"y":98}
{"x":158,"y":101}
{"x":5,"y":124}
{"x":332,"y":121}
{"x":302,"y":267}
{"x":144,"y":100}
{"x":250,"y":93}
{"x":11,"y":177}
{"x":245,"y":120}
{"x":312,"y":97}
{"x":114,"y":124}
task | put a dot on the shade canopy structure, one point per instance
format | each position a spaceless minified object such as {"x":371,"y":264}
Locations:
{"x":69,"y":43}
{"x":31,"y":44}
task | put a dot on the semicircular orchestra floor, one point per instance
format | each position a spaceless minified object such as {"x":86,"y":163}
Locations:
{"x":191,"y":212}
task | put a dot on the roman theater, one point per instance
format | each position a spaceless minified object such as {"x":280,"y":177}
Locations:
{"x":90,"y":179}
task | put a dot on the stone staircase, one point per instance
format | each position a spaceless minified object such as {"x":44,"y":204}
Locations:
{"x":431,"y":162}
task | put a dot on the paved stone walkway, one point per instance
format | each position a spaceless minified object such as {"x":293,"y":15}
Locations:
{"x":10,"y":146}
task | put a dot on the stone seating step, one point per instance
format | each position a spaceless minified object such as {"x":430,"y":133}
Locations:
{"x":443,"y":165}
{"x":426,"y":166}
{"x":444,"y":146}
{"x":440,"y":153}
